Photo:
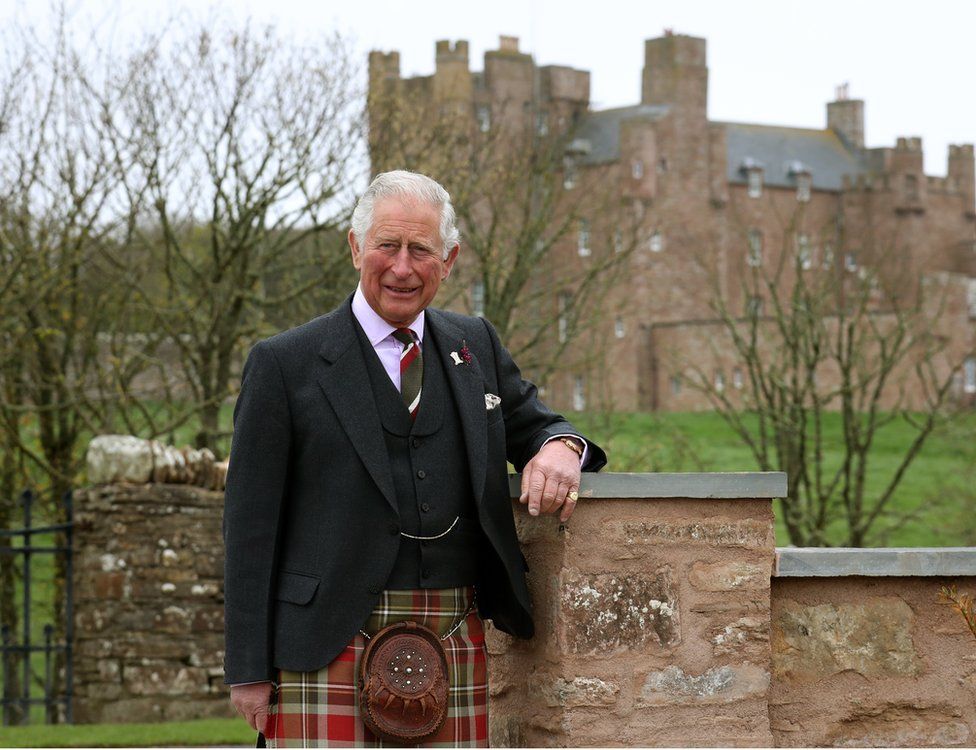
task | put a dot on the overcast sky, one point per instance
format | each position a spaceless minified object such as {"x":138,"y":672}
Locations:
{"x":770,"y":61}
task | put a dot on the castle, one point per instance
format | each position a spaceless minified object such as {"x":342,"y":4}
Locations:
{"x":739,"y":194}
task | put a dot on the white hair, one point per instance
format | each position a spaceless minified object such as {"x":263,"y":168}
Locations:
{"x":406,"y":186}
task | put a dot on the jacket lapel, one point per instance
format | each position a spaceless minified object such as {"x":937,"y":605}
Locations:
{"x":467,"y":384}
{"x":346,"y":385}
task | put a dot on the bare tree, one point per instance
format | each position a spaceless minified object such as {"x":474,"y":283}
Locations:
{"x":544,"y":235}
{"x":816,"y":333}
{"x":247,"y":148}
{"x":64,"y":289}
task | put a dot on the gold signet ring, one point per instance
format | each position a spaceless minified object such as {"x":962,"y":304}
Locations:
{"x":574,"y":496}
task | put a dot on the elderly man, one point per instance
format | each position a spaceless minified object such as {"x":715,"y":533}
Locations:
{"x":368,"y":485}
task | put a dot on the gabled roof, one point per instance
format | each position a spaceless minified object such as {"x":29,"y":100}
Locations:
{"x":602,"y":129}
{"x":783,"y":152}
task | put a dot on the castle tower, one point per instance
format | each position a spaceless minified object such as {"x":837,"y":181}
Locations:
{"x":452,"y":78}
{"x":961,"y":171}
{"x":675,"y":73}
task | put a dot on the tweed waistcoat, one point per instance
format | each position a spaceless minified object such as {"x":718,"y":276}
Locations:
{"x":431,"y":478}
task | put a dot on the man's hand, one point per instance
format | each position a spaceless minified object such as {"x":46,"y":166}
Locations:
{"x":549,"y":477}
{"x":251,"y":702}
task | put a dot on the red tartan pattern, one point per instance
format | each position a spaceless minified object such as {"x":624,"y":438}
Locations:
{"x":321,"y":709}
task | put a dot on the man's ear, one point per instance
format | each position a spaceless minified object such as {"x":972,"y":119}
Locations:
{"x":355,"y":250}
{"x":449,"y":261}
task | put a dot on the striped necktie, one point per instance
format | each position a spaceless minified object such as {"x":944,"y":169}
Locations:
{"x":411,"y":369}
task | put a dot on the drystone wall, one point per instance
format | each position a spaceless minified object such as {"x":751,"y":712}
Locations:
{"x":149,"y":620}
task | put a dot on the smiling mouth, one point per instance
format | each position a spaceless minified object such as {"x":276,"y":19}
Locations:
{"x":403,"y":289}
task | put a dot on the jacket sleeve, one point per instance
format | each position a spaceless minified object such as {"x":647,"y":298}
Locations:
{"x":253,"y":500}
{"x":528,"y":422}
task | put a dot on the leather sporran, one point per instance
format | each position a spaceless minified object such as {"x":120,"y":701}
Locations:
{"x":404,"y":683}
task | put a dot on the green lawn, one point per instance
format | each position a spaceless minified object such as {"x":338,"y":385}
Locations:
{"x":233,"y":732}
{"x":940,"y":486}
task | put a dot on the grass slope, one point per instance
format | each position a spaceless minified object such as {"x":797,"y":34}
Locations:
{"x":233,"y":732}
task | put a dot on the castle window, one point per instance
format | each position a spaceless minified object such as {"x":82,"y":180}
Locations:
{"x":583,"y":238}
{"x":719,"y":381}
{"x":911,"y":187}
{"x":675,"y":385}
{"x":637,"y":169}
{"x":656,"y":243}
{"x":803,"y":184}
{"x":542,"y":123}
{"x":850,"y":262}
{"x":737,"y":382}
{"x":478,"y":298}
{"x":579,"y":393}
{"x":754,"y":305}
{"x":618,"y":328}
{"x":828,"y":256}
{"x":569,"y":173}
{"x":618,"y":241}
{"x":755,"y":182}
{"x":754,"y":257}
{"x":804,"y":252}
{"x":662,"y":165}
{"x":484,"y":118}
{"x":563,"y":325}
{"x":969,"y":375}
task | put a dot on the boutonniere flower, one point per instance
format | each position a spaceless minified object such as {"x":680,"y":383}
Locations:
{"x":464,"y":357}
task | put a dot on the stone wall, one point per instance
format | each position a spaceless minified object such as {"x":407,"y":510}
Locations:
{"x":652,"y":616}
{"x":149,"y":619}
{"x":663,"y":619}
{"x":863,"y":653}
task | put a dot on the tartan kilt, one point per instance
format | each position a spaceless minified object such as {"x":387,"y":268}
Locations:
{"x":321,"y":709}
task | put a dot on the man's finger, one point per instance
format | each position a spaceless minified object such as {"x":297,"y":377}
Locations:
{"x":551,"y":497}
{"x":524,"y":494}
{"x":537,"y":483}
{"x":570,"y":505}
{"x":260,"y":719}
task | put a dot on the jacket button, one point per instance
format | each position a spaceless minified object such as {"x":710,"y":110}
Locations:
{"x":425,"y":507}
{"x":415,"y":443}
{"x":421,"y":473}
{"x":425,"y":574}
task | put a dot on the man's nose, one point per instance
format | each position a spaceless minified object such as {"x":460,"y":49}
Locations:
{"x":401,"y":263}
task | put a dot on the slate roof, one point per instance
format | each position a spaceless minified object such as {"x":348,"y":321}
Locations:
{"x":602,"y":129}
{"x":778,"y":149}
{"x":781,"y":151}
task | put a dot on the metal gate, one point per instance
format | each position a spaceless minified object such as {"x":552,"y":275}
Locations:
{"x":37,"y":677}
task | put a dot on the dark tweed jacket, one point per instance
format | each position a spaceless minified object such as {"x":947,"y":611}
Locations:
{"x":310,"y":519}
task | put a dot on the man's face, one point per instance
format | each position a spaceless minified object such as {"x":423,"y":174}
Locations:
{"x":399,"y":261}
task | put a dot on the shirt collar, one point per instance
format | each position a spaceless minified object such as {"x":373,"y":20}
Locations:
{"x":375,"y":328}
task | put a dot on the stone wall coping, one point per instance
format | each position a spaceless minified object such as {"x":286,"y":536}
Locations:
{"x":810,"y":562}
{"x":745,"y":485}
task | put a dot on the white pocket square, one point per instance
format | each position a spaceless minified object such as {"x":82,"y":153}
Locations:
{"x":491,"y":401}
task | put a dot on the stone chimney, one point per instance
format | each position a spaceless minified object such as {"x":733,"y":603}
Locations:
{"x":846,"y":118}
